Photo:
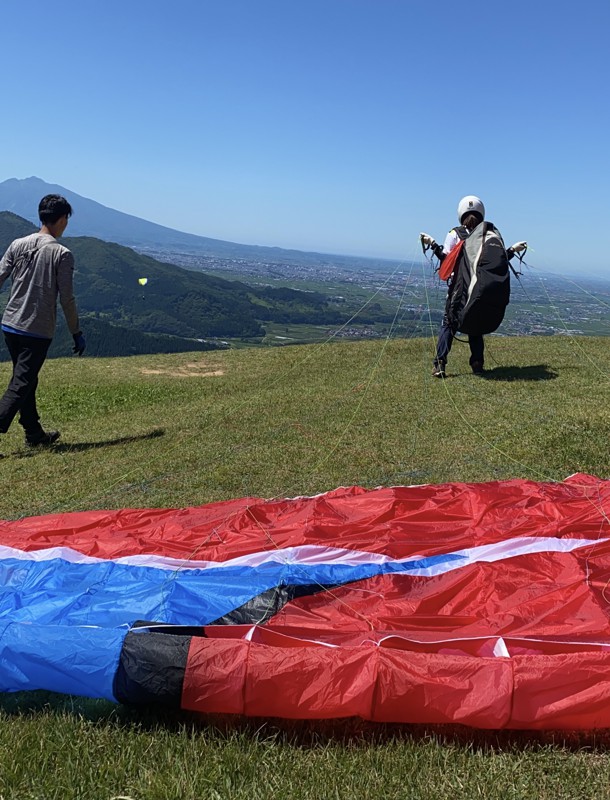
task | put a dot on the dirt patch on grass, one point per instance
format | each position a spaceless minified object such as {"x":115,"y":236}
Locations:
{"x":187,"y":371}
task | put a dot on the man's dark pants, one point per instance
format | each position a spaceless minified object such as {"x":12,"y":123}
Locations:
{"x":28,"y":355}
{"x":445,"y":340}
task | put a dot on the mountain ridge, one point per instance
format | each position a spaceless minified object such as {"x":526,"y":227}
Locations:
{"x":22,"y":195}
{"x":175,"y":301}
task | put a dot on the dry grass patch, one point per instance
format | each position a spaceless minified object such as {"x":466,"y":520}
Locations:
{"x":185,"y":372}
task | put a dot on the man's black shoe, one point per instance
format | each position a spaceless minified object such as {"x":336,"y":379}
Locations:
{"x":42,"y":439}
{"x":477,"y":368}
{"x":439,"y":370}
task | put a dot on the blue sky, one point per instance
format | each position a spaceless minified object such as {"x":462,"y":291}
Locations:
{"x":343,"y":126}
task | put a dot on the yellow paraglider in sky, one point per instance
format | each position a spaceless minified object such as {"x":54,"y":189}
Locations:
{"x":142,"y":281}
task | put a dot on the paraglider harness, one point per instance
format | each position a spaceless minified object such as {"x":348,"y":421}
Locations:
{"x":477,"y":270}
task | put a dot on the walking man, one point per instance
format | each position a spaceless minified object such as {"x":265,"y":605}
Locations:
{"x":41,"y":270}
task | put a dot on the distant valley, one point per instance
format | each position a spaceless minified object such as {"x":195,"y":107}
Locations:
{"x":21,"y":197}
{"x":200,"y":311}
{"x":204,"y":293}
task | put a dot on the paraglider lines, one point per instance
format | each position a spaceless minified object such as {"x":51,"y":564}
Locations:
{"x":278,"y":379}
{"x":539,"y":473}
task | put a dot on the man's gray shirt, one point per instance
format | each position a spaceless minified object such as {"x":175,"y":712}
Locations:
{"x":41,"y":269}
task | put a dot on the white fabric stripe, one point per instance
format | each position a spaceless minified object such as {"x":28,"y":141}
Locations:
{"x":500,"y":649}
{"x":500,"y":646}
{"x":507,"y":549}
{"x":310,"y":555}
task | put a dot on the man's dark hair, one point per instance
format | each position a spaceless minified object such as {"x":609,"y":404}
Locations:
{"x":471,"y":220}
{"x":53,"y":207}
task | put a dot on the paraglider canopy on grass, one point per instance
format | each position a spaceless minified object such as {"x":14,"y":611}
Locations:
{"x":482,"y":604}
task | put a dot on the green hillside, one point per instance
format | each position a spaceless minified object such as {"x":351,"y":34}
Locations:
{"x":155,"y":431}
{"x":175,"y":301}
{"x":12,"y":227}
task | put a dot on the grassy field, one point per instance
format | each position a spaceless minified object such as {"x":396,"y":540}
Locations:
{"x":178,"y":430}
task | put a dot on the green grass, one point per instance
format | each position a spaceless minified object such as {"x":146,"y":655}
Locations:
{"x":58,"y":753}
{"x":177,"y":430}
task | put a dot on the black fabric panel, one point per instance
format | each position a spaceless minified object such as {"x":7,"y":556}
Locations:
{"x":153,"y":659}
{"x":266,"y":605}
{"x":151,"y":669}
{"x":458,"y":292}
{"x":484,"y":310}
{"x":164,"y":627}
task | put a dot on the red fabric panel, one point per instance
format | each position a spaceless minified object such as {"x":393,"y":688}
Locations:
{"x":399,"y":521}
{"x":215,"y":677}
{"x":543,"y":594}
{"x":566,"y":691}
{"x":449,"y":262}
{"x":309,"y":682}
{"x":384,"y":684}
{"x":300,"y":682}
{"x":313,"y":682}
{"x":433,"y":688}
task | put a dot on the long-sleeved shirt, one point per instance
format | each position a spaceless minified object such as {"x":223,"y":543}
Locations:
{"x":451,"y":240}
{"x":41,"y":270}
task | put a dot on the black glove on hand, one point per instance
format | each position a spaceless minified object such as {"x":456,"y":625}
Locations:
{"x":79,"y":343}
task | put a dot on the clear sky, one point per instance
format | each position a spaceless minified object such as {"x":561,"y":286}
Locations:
{"x":343,"y":126}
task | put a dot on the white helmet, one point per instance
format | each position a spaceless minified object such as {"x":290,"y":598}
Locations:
{"x":470,"y":203}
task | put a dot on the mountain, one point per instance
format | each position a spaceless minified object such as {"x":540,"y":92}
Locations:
{"x":90,"y":218}
{"x":94,"y":219}
{"x":174,"y":301}
{"x":103,"y":337}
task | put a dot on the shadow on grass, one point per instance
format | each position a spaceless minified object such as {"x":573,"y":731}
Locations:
{"x":536,"y":372}
{"x":77,"y":447}
{"x":357,"y":732}
{"x":301,"y":734}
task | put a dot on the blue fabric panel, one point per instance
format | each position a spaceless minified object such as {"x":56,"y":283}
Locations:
{"x":62,"y":625}
{"x":59,"y":658}
{"x":108,"y":594}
